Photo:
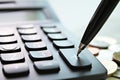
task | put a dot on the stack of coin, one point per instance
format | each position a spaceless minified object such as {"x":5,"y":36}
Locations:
{"x":116,"y":57}
{"x":108,"y":53}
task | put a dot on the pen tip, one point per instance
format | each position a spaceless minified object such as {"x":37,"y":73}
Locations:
{"x":78,"y":52}
{"x":81,"y":47}
{"x":77,"y":55}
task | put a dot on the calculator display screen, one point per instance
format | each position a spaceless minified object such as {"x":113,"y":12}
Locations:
{"x":28,"y":15}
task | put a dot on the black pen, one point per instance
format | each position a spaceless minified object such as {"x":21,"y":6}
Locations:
{"x":100,"y":16}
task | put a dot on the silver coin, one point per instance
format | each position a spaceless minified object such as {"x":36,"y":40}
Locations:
{"x":99,"y":44}
{"x":103,"y":42}
{"x":115,"y":48}
{"x":109,"y":40}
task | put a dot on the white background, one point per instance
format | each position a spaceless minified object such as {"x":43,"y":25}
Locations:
{"x":76,"y":14}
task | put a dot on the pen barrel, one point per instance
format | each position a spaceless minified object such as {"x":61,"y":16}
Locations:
{"x":100,"y":16}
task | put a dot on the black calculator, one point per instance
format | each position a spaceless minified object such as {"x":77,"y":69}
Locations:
{"x":34,"y":45}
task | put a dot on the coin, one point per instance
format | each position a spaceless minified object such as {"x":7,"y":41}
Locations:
{"x":112,"y":78}
{"x":99,"y":44}
{"x":110,"y":66}
{"x":116,"y":57}
{"x":115,"y":47}
{"x":109,"y":40}
{"x":117,"y":74}
{"x":105,"y":54}
{"x":94,"y":50}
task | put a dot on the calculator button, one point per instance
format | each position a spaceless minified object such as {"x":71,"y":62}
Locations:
{"x":51,"y":30}
{"x":40,"y":55}
{"x":9,"y":48}
{"x":17,"y":69}
{"x":31,"y":46}
{"x":48,"y":26}
{"x":26,"y":26}
{"x":8,"y":40}
{"x":12,"y":57}
{"x":74,"y":62}
{"x":63,"y":44}
{"x":6,"y":32}
{"x":31,"y":38}
{"x":7,"y":1}
{"x":57,"y":36}
{"x":27,"y":31}
{"x":49,"y":66}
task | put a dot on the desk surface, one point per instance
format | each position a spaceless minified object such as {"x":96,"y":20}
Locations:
{"x":76,"y":14}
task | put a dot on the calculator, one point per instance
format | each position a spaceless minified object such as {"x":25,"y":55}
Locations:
{"x":34,"y":45}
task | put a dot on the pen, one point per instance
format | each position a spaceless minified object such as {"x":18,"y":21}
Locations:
{"x":100,"y":16}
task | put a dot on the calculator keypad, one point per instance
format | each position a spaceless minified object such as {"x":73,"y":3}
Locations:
{"x":14,"y":59}
{"x":38,"y":52}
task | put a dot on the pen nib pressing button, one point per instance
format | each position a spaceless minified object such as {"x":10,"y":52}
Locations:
{"x":74,"y":62}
